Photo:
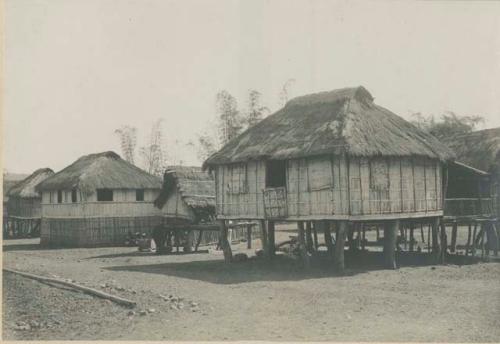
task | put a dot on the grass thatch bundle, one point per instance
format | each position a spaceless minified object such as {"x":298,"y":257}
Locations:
{"x":344,"y":121}
{"x":100,"y":171}
{"x":480,"y":149}
{"x":26,"y":187}
{"x":196,"y":188}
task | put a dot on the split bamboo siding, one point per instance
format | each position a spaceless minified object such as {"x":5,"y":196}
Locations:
{"x":88,"y":222}
{"x":333,"y":187}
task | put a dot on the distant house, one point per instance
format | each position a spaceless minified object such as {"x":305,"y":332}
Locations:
{"x":187,"y":195}
{"x":481,"y":150}
{"x":98,"y":200}
{"x":9,"y":180}
{"x":24,"y":204}
{"x":332,"y":157}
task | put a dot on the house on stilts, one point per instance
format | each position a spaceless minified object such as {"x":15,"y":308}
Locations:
{"x":24,"y":205}
{"x":473,"y":196}
{"x":187,"y":204}
{"x":98,"y":200}
{"x":335,"y":159}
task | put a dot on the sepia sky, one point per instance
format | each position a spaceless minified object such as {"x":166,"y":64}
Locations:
{"x":75,"y":70}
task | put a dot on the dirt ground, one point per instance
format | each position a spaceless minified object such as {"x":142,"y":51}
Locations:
{"x":198,"y":297}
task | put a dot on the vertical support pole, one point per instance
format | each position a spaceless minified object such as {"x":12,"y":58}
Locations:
{"x":378,"y":233}
{"x":271,"y":244}
{"x":249,"y":236}
{"x":302,"y":245}
{"x":339,"y":245}
{"x":309,"y":240}
{"x":482,"y":244}
{"x":444,"y":243}
{"x":454,"y":230}
{"x":391,"y":229}
{"x":412,"y":237}
{"x":350,"y":236}
{"x":429,"y":238}
{"x":422,"y":236}
{"x":474,"y":239}
{"x":226,"y":247}
{"x":467,"y":246}
{"x":435,"y":244}
{"x":326,"y":226}
{"x":363,"y":237}
{"x":315,"y":235}
{"x":263,"y":235}
{"x":493,"y":238}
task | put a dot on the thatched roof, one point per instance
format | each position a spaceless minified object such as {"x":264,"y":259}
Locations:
{"x":26,"y":187}
{"x":335,"y":122}
{"x":9,"y":180}
{"x":100,"y":171}
{"x":480,"y":149}
{"x":197,"y":188}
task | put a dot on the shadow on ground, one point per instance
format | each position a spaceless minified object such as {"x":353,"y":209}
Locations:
{"x":281,"y":268}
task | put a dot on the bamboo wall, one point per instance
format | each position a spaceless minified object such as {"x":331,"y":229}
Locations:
{"x":88,"y":222}
{"x":29,"y":208}
{"x":325,"y":187}
{"x":175,"y":207}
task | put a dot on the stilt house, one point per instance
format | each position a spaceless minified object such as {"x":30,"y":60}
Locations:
{"x":98,"y":200}
{"x":481,"y":150}
{"x":331,"y":156}
{"x":187,"y":196}
{"x":24,"y":203}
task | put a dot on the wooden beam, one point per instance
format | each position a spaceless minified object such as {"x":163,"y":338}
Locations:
{"x":271,"y":244}
{"x":326,"y":225}
{"x":391,"y":229}
{"x":263,"y":235}
{"x":226,"y":247}
{"x":309,"y":240}
{"x":339,"y":246}
{"x":302,"y":244}
{"x":453,"y":244}
{"x":315,"y":235}
{"x":444,"y":243}
{"x":249,"y":236}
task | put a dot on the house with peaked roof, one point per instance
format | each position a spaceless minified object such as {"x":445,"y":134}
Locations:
{"x":23,"y":206}
{"x":334,"y":158}
{"x":98,"y":200}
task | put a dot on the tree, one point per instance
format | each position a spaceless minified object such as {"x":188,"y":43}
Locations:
{"x":256,"y":110}
{"x":449,"y":124}
{"x":128,"y":142}
{"x":285,"y":91}
{"x":154,"y":153}
{"x":228,"y":116}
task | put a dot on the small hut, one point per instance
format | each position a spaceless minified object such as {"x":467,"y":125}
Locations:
{"x":333,"y":158}
{"x":24,"y":204}
{"x":98,"y":200}
{"x":481,"y":150}
{"x":188,"y":195}
{"x":186,"y":199}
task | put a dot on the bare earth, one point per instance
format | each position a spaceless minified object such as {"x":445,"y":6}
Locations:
{"x":198,"y":297}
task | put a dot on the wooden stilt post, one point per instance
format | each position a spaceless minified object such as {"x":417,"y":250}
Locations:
{"x":350,"y":236}
{"x":435,"y":244}
{"x":302,"y":244}
{"x":429,"y":238}
{"x":271,"y":244}
{"x":309,"y":240}
{"x":378,"y":233}
{"x":493,"y":238}
{"x":363,"y":237}
{"x":474,"y":239}
{"x":226,"y":247}
{"x":249,"y":236}
{"x":444,"y":243}
{"x":326,"y":226}
{"x":422,"y":236}
{"x":391,"y":229}
{"x":339,"y":245}
{"x":467,"y":246}
{"x":482,"y":231}
{"x":454,"y":230}
{"x":412,"y":237}
{"x":315,"y":235}
{"x":263,"y":235}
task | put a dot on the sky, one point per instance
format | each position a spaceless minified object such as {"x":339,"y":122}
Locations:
{"x":76,"y":70}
